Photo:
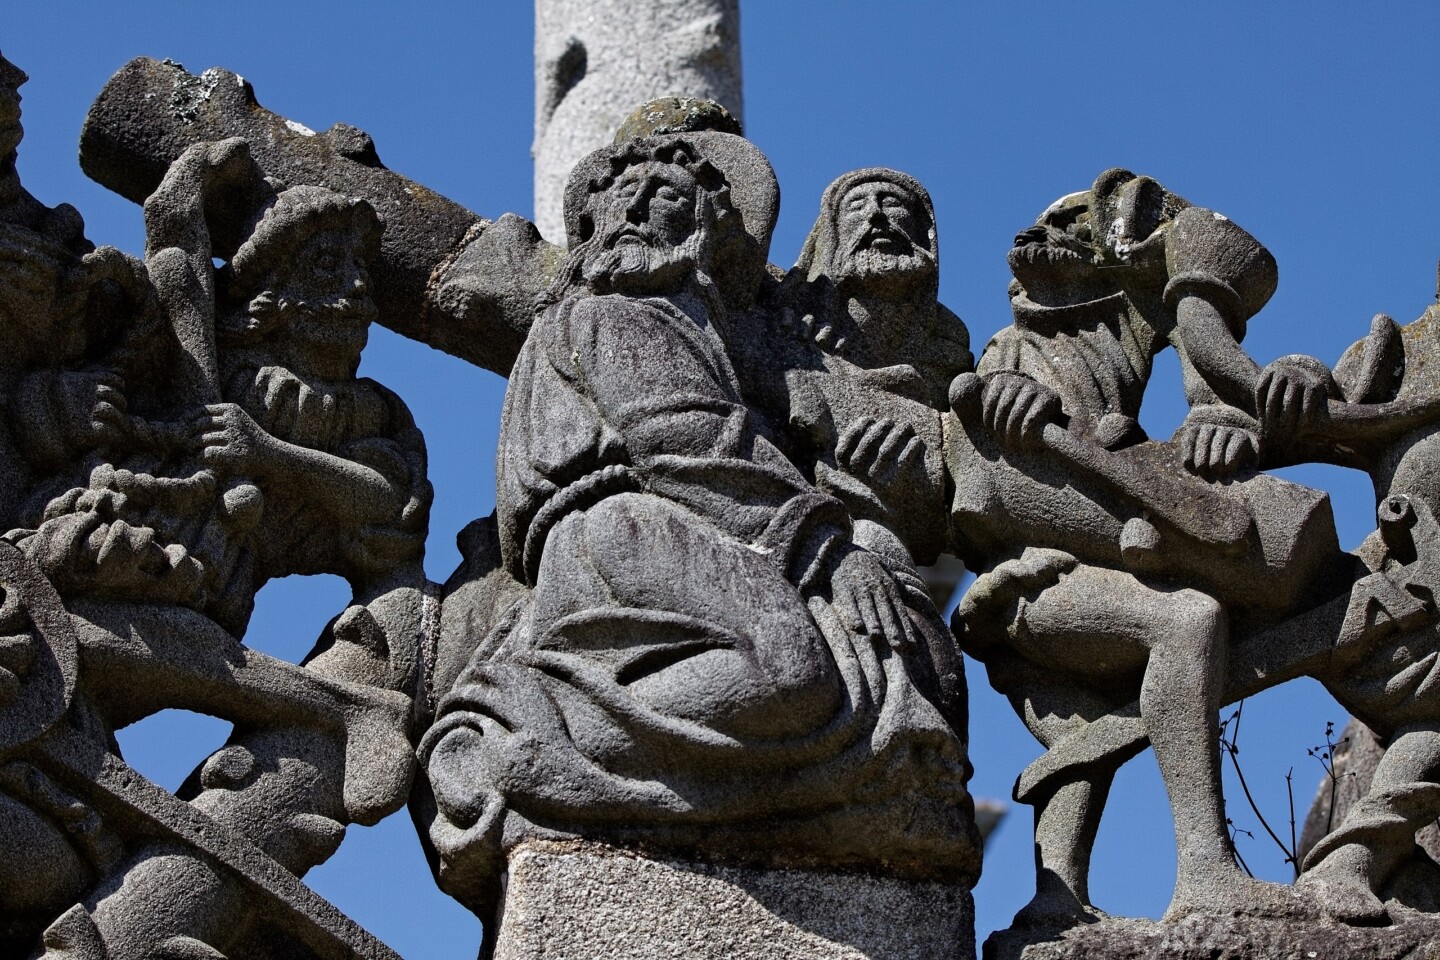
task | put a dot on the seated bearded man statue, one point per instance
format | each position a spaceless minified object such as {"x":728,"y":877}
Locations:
{"x":704,"y":661}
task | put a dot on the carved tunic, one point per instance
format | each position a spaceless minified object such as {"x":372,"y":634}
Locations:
{"x":667,"y":680}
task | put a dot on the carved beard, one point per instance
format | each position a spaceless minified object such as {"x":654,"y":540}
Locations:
{"x":342,"y":323}
{"x":635,"y":269}
{"x":869,"y":267}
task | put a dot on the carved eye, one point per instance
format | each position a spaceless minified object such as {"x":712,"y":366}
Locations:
{"x":668,"y":194}
{"x":892,"y":203}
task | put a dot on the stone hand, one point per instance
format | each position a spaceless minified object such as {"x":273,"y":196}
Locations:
{"x":1288,"y":398}
{"x":868,"y":600}
{"x":1215,"y":451}
{"x":1016,"y":409}
{"x":879,"y":451}
{"x":93,"y":405}
{"x":230,"y":439}
{"x":990,"y":605}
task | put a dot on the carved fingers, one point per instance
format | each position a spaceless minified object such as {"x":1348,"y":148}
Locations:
{"x":878,"y":449}
{"x":1289,"y":398}
{"x":1016,"y":408}
{"x":868,"y":600}
{"x":1216,"y":451}
{"x":93,"y":404}
{"x":229,"y":438}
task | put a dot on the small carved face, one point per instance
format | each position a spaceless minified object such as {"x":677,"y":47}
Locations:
{"x":1090,"y":244}
{"x":648,"y":233}
{"x":326,"y":289}
{"x":883,"y":236}
{"x":1059,"y":246}
{"x":880,"y":216}
{"x":650,"y":204}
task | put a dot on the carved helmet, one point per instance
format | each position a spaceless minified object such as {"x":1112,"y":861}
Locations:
{"x":288,"y":221}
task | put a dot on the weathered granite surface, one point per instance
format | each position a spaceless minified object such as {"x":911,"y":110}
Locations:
{"x":692,"y":655}
{"x":582,"y":901}
{"x":1214,"y":935}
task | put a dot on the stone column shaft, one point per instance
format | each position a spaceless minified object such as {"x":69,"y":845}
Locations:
{"x":597,"y":60}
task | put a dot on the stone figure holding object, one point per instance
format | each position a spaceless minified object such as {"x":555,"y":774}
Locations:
{"x":850,"y":361}
{"x":275,"y":335}
{"x":1134,"y":573}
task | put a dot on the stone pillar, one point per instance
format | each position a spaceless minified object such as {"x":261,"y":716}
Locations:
{"x":586,"y":901}
{"x":597,"y":60}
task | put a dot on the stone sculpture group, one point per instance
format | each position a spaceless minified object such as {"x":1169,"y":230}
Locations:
{"x":695,"y":627}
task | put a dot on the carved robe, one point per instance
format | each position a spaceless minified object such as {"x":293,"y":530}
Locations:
{"x":675,"y":676}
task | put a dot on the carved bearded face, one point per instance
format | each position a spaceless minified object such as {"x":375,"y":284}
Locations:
{"x":883,"y":233}
{"x":323,"y":296}
{"x":1092,"y":244}
{"x":647,"y":233}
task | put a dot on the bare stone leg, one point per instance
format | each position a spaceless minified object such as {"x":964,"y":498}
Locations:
{"x":1065,"y":828}
{"x":1103,"y":623}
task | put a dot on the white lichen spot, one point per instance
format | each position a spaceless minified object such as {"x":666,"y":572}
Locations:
{"x":1063,"y":200}
{"x":1118,"y":241}
{"x":1220,"y":216}
{"x":239,"y":80}
{"x":299,"y":128}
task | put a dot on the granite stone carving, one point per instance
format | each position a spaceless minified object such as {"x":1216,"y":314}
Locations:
{"x":704,"y":658}
{"x":180,"y":433}
{"x":693,"y":646}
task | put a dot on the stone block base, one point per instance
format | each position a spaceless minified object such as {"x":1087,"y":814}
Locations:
{"x":1413,"y":936}
{"x":591,"y":902}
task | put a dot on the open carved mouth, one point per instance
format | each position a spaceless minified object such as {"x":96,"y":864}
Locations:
{"x":884,"y":241}
{"x":1040,"y":245}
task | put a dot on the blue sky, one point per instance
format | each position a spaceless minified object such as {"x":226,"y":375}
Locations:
{"x":1312,"y":125}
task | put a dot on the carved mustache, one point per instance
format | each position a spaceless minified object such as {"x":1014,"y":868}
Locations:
{"x":643,"y":234}
{"x":873,"y":234}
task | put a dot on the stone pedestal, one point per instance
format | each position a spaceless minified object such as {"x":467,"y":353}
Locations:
{"x":591,"y":902}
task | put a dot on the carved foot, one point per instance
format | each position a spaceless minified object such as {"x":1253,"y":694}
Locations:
{"x":1344,"y":896}
{"x":1056,"y":911}
{"x":1238,"y":895}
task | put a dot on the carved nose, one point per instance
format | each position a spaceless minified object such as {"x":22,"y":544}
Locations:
{"x":1035,"y":234}
{"x":635,"y":209}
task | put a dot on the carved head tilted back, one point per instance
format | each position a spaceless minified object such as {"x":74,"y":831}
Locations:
{"x":1096,"y":243}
